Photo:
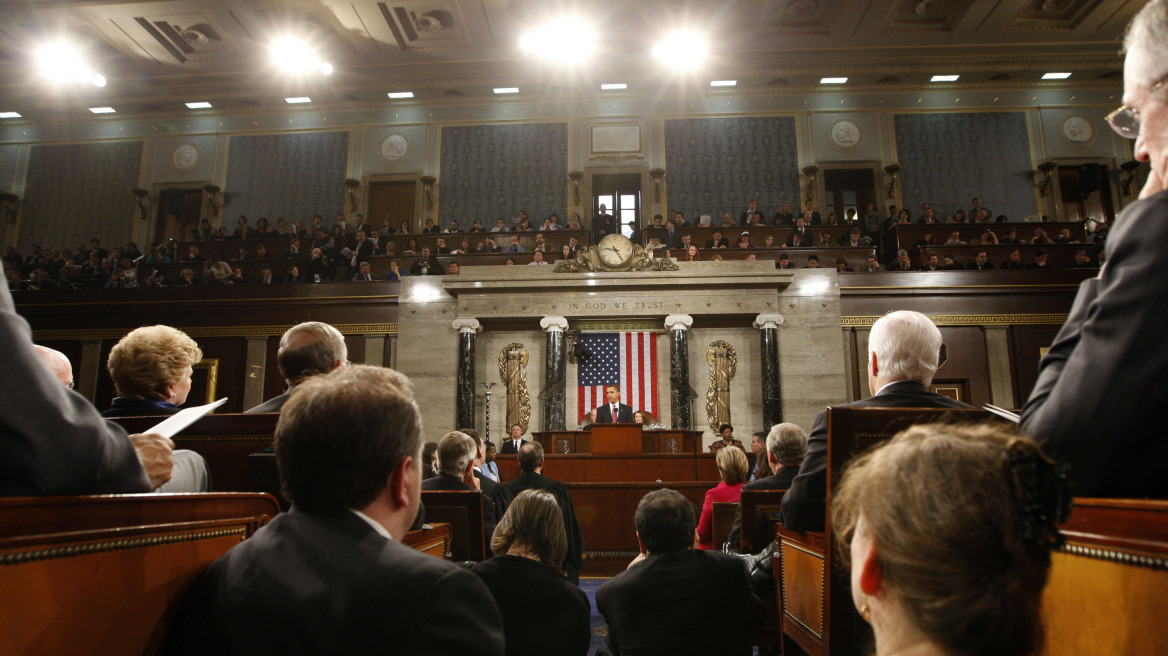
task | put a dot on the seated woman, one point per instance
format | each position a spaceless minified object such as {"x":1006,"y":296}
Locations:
{"x":948,"y":530}
{"x":542,"y":612}
{"x":733,"y":469}
{"x":727,"y":433}
{"x":151,"y":368}
{"x":429,"y":460}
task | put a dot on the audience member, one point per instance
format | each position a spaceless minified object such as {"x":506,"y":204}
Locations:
{"x":903,"y":352}
{"x":726,"y":431}
{"x":429,"y":460}
{"x":650,"y":607}
{"x":531,"y":477}
{"x":500,"y":495}
{"x":928,"y":582}
{"x":345,"y":584}
{"x":456,"y":455}
{"x":307,"y":349}
{"x":151,"y":368}
{"x":543,"y":614}
{"x":732,"y":471}
{"x":784,"y":449}
{"x":427,"y":265}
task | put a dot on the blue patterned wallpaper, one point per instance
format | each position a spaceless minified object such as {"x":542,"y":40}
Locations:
{"x":492,"y":171}
{"x":947,"y":159}
{"x":77,"y":192}
{"x":718,"y":164}
{"x":286,"y":175}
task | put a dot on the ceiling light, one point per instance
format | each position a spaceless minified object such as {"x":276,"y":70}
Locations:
{"x":833,"y":80}
{"x":570,"y":39}
{"x":401,"y":94}
{"x":613,"y":87}
{"x":506,"y":89}
{"x":61,"y":62}
{"x":294,"y":55}
{"x":199,"y":105}
{"x":298,"y":99}
{"x":724,"y":83}
{"x":102,"y":110}
{"x":98,"y":80}
{"x":682,"y":50}
{"x":944,"y":78}
{"x":1056,"y":76}
{"x":9,"y":115}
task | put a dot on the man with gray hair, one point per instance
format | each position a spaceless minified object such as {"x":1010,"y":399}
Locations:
{"x":457,"y":453}
{"x":903,"y":352}
{"x":306,"y":349}
{"x":1099,"y":394}
{"x":531,"y":476}
{"x":786,"y":444}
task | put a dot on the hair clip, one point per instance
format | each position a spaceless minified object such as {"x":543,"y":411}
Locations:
{"x":1042,"y":491}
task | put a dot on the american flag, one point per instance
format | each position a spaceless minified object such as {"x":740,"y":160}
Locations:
{"x":628,"y":359}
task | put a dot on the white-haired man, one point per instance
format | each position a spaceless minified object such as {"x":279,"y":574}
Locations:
{"x":1097,"y":401}
{"x":903,"y":351}
{"x":306,"y":349}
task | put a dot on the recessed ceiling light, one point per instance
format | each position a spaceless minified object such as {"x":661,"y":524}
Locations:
{"x":683,"y":50}
{"x":300,"y":99}
{"x":401,"y":94}
{"x":1056,"y":76}
{"x":612,"y":87}
{"x":567,"y":40}
{"x":723,"y":83}
{"x":102,"y":110}
{"x":202,"y":104}
{"x":944,"y":78}
{"x":9,"y":115}
{"x":833,"y":80}
{"x":506,"y":89}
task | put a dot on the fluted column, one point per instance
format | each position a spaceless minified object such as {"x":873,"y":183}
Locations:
{"x":772,"y":393}
{"x":468,"y":330}
{"x":555,"y":368}
{"x":679,"y":401}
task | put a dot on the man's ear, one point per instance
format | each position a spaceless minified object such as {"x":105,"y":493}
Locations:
{"x":771,"y":458}
{"x":873,"y":366}
{"x":871,"y":572}
{"x":397,"y":490}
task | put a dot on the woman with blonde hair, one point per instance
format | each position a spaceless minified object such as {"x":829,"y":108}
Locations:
{"x":151,"y":368}
{"x":733,"y":469}
{"x":948,"y":531}
{"x":542,"y":612}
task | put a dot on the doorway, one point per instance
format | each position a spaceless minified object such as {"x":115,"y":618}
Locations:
{"x":1078,"y":186}
{"x":620,"y":193}
{"x":847,"y":189}
{"x":179,"y":211}
{"x":392,"y":200}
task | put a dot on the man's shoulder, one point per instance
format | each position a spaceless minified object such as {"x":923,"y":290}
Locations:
{"x":772,"y":482}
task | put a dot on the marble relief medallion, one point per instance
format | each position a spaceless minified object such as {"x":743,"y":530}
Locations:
{"x":395,"y":146}
{"x":1076,"y":130}
{"x":845,"y":135}
{"x":184,"y":157}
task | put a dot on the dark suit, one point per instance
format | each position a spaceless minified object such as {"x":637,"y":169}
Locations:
{"x":1099,"y":396}
{"x":448,"y":482}
{"x":497,"y":493}
{"x":273,"y":404}
{"x":721,"y":243}
{"x":672,"y":239}
{"x":508,"y":446}
{"x":543,"y":615}
{"x":624,"y":414}
{"x":327,"y":583}
{"x":574,"y":559}
{"x":805,"y":503}
{"x":681,"y":602}
{"x":780,"y":480}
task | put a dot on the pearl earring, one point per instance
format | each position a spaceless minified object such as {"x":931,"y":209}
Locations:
{"x":865,"y":611}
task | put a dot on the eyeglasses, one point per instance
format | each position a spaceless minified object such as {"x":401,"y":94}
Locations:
{"x":1126,"y":120}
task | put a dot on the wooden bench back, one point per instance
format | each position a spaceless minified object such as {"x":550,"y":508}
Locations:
{"x":760,"y":512}
{"x":463,"y":511}
{"x":723,"y":521}
{"x":103,"y":574}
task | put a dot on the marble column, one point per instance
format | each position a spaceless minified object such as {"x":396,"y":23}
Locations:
{"x":772,"y":397}
{"x":555,"y":368}
{"x":467,"y":329}
{"x":679,"y":396}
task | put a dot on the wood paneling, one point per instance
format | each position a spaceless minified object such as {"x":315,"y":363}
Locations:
{"x":1026,"y":347}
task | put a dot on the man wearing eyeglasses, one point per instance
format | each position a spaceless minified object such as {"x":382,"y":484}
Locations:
{"x":1099,"y":397}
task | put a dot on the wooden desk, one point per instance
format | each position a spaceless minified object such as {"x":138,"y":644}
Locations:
{"x":652,"y":441}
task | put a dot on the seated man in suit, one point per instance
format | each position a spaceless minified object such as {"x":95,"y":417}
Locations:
{"x":903,"y":352}
{"x":457,"y":453}
{"x":329,"y":575}
{"x":512,"y":445}
{"x":531,"y":476}
{"x":786,"y":445}
{"x":613,"y":412}
{"x":498,"y":494}
{"x":306,"y":349}
{"x":650,"y":608}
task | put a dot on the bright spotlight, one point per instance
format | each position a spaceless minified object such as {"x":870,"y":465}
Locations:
{"x":566,"y":40}
{"x":295,"y":56}
{"x":326,"y":68}
{"x":60,"y":62}
{"x":98,"y":80}
{"x":683,"y":50}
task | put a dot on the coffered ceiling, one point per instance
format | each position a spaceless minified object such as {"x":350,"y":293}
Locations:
{"x":159,"y":54}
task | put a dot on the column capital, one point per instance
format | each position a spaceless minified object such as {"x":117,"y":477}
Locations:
{"x":551,"y":324}
{"x":765,"y":321}
{"x":678,"y":321}
{"x":467,"y":325}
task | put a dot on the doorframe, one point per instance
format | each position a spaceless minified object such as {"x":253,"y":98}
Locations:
{"x":646,"y":216}
{"x":877,"y":169}
{"x":419,"y":196}
{"x":144,"y":234}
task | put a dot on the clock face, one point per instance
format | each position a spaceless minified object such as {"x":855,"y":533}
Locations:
{"x":615,"y":250}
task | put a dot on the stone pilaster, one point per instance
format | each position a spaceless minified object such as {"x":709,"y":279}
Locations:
{"x":555,"y":368}
{"x":468,"y":330}
{"x":679,"y":389}
{"x":772,"y":398}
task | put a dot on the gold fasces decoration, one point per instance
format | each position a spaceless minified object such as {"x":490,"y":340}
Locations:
{"x":723,"y":363}
{"x":589,"y":260}
{"x":513,"y":372}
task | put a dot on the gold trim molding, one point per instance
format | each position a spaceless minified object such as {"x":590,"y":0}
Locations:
{"x":117,"y":545}
{"x":642,"y":325}
{"x":968,"y":320}
{"x":213,"y":331}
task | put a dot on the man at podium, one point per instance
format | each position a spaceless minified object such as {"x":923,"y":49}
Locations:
{"x":614,"y":412}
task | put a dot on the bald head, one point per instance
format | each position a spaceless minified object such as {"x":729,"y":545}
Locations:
{"x":309,"y":349}
{"x":58,"y":364}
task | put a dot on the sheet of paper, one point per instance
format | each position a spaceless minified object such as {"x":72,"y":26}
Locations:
{"x":1003,"y":413}
{"x":174,"y":424}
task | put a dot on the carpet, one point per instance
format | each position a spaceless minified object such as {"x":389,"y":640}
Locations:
{"x":599,"y":629}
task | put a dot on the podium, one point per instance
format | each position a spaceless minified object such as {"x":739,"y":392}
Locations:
{"x":616,"y":438}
